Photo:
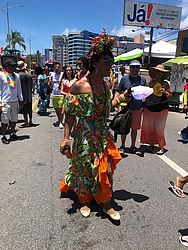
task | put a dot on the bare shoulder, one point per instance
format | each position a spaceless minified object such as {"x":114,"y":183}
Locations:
{"x":81,"y":86}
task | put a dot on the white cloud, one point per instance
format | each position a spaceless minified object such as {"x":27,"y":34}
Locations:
{"x":123,"y":31}
{"x":67,"y":31}
{"x":184,"y":6}
{"x":129,"y":31}
{"x":184,"y":23}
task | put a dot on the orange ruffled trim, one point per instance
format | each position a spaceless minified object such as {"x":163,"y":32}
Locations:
{"x":104,"y":193}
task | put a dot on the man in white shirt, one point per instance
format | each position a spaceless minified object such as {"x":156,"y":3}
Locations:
{"x":57,"y":98}
{"x":10,"y":95}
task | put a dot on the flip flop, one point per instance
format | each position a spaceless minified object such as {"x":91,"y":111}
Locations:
{"x":184,"y":240}
{"x":177,"y":191}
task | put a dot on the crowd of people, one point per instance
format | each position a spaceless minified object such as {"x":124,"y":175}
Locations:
{"x":82,"y":101}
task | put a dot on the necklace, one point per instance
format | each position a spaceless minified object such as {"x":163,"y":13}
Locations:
{"x":11,"y":82}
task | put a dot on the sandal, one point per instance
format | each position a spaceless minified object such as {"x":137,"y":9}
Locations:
{"x":176,"y":190}
{"x":85,"y":211}
{"x":114,"y":215}
{"x":121,"y":150}
{"x":160,"y":152}
{"x":184,"y":240}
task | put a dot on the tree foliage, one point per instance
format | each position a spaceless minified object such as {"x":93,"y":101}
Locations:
{"x":15,"y":39}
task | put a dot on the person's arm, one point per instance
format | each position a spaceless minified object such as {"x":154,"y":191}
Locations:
{"x":62,"y":88}
{"x":166,"y":90}
{"x":114,"y":83}
{"x":69,"y":122}
{"x":50,"y":81}
{"x":19,"y":89}
{"x":125,"y":97}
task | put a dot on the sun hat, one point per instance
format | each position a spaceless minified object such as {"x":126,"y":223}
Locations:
{"x":21,"y":65}
{"x":135,"y":63}
{"x":158,"y":68}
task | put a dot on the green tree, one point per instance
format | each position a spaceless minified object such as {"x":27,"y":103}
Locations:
{"x":15,"y":39}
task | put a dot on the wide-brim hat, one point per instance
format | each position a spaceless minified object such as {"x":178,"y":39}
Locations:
{"x":158,"y":68}
{"x":21,"y":65}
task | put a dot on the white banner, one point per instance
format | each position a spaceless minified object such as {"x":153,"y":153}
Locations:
{"x":151,"y":15}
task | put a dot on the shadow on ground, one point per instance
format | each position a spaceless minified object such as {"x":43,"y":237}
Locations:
{"x":122,"y":195}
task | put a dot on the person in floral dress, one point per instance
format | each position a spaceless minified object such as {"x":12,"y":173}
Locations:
{"x":93,"y":154}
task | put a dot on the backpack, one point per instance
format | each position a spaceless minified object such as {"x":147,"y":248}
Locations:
{"x":121,"y":123}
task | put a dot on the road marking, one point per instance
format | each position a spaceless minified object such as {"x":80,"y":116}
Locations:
{"x":173,"y":165}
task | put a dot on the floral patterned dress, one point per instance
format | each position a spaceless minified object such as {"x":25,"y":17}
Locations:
{"x":93,"y":148}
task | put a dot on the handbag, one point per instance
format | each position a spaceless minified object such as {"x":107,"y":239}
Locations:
{"x":121,"y":123}
{"x":156,"y":103}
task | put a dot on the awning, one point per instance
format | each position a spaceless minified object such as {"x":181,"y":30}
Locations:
{"x":135,"y":53}
{"x":177,"y":60}
{"x":162,"y":49}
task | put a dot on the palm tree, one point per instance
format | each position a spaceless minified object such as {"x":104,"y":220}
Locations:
{"x":15,"y":38}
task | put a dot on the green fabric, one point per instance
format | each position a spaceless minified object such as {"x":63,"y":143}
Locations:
{"x":90,"y":139}
{"x":127,"y":58}
{"x":177,"y":60}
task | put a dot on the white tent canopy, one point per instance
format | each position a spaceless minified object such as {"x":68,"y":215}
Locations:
{"x":162,"y":49}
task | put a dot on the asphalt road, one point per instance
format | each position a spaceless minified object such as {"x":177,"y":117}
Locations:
{"x":34,"y":216}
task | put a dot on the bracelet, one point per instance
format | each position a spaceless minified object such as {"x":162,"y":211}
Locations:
{"x":122,"y":98}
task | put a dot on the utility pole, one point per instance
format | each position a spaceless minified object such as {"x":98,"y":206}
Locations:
{"x":150,"y":46}
{"x":30,"y":49}
{"x":8,"y":27}
{"x":30,"y":52}
{"x":8,"y":21}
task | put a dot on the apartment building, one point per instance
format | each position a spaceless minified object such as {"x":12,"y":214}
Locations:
{"x":78,"y":45}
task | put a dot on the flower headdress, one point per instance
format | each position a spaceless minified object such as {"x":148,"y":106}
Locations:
{"x":101,"y":44}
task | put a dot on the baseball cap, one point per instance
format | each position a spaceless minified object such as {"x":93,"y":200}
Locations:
{"x":135,"y":63}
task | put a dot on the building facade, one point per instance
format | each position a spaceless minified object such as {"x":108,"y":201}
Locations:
{"x":67,"y":49}
{"x":182,"y":43}
{"x":79,"y":44}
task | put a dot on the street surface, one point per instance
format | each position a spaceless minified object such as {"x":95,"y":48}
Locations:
{"x":33,"y":215}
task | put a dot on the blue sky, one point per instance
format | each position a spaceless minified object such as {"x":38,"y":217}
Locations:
{"x":42,"y":18}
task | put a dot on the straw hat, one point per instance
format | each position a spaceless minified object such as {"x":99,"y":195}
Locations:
{"x":21,"y":65}
{"x":158,"y":68}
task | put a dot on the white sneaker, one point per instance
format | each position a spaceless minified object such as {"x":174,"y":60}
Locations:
{"x":61,"y":125}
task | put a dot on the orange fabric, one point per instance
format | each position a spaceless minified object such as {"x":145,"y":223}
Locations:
{"x":136,"y":119}
{"x":104,"y":192}
{"x":153,"y":126}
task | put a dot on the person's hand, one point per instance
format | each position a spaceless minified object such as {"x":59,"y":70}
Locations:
{"x":161,"y":90}
{"x":64,"y":146}
{"x":185,"y":107}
